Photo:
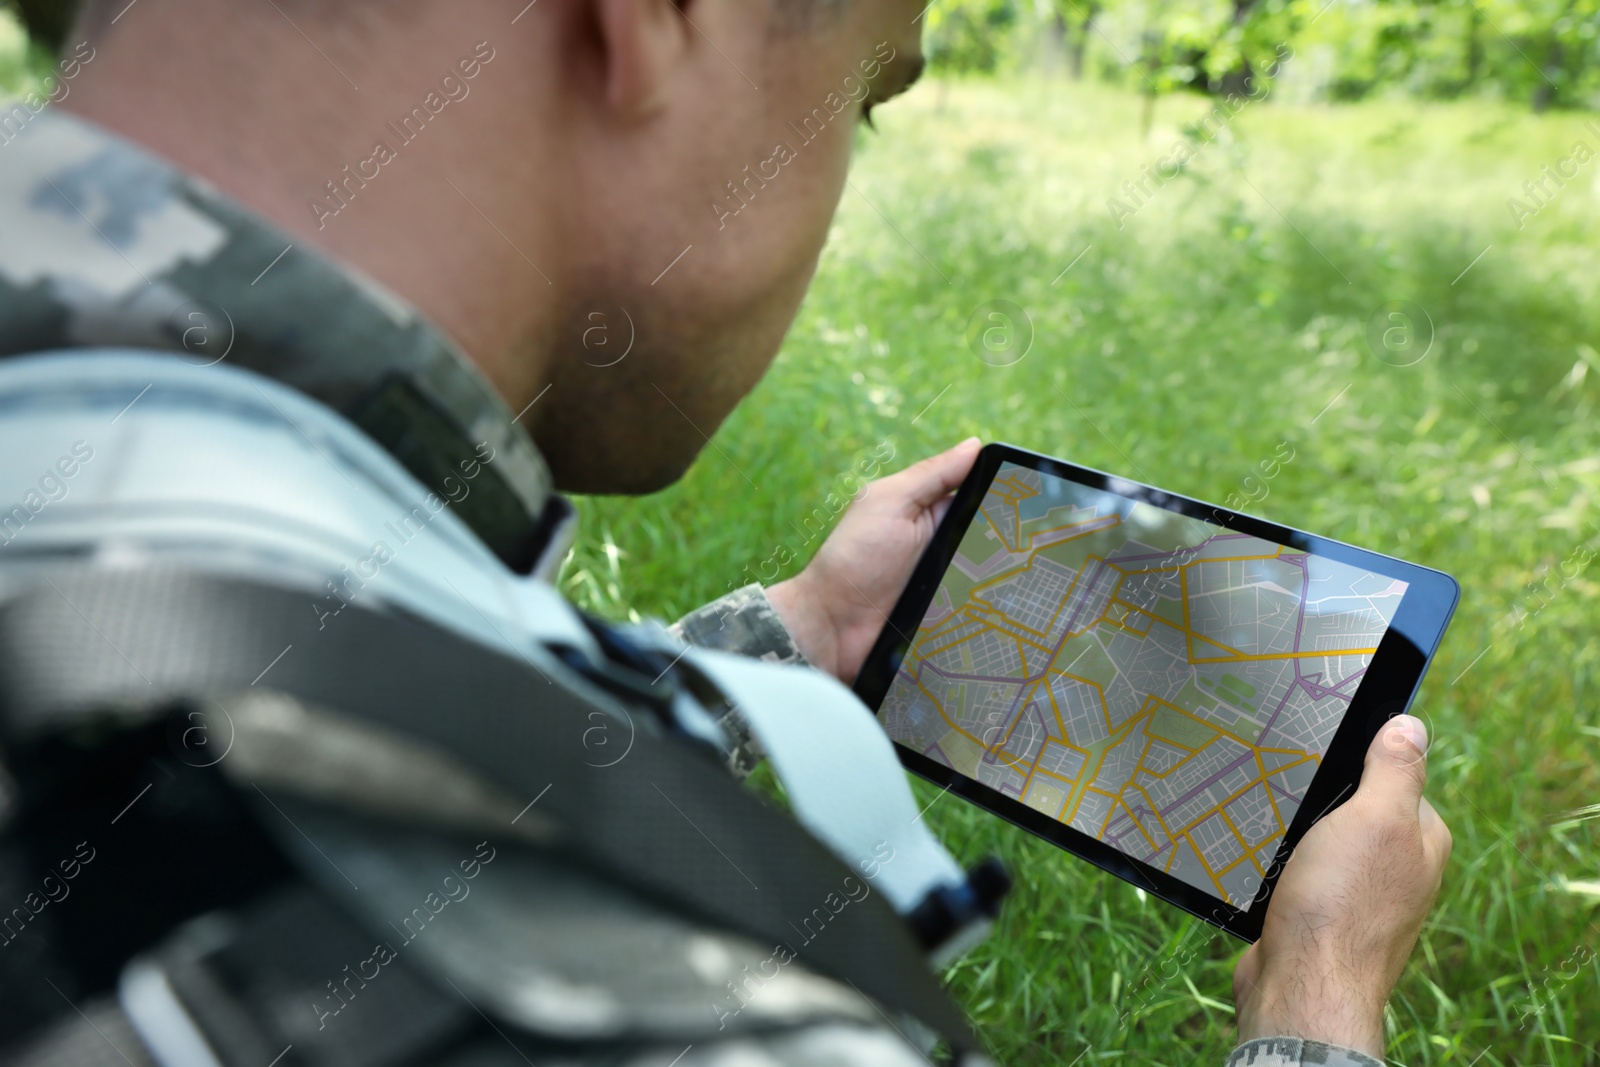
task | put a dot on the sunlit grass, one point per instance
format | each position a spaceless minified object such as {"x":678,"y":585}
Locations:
{"x":1220,"y":320}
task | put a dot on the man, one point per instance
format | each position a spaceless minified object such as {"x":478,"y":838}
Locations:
{"x":418,"y":214}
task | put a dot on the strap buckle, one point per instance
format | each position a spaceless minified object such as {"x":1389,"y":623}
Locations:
{"x":682,"y":701}
{"x":954,"y":917}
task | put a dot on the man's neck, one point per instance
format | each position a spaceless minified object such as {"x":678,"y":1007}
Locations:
{"x":304,"y":153}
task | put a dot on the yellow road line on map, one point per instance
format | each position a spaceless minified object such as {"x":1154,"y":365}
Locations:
{"x":1052,"y":774}
{"x":1221,"y":892}
{"x":945,"y":716}
{"x":1242,"y":658}
{"x":988,"y":614}
{"x":1229,"y":559}
{"x":958,"y":641}
{"x":1050,"y":695}
{"x":1211,"y":726}
{"x":1241,"y":860}
{"x":1135,"y":820}
{"x":1159,"y":818}
{"x":1262,"y":767}
{"x":1224,"y":802}
{"x":1223,"y":811}
{"x":1104,"y":712}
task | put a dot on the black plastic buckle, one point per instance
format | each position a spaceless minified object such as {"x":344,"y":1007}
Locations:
{"x":642,"y":676}
{"x":948,"y":910}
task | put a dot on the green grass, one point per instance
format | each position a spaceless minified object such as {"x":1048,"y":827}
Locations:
{"x":1220,"y":321}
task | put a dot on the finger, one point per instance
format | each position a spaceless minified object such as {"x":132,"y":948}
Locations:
{"x":1396,"y":765}
{"x":923,"y":484}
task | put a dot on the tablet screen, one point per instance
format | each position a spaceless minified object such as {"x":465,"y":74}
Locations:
{"x":1162,"y":684}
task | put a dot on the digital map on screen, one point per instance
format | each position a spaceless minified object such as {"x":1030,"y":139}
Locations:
{"x":1160,"y":683}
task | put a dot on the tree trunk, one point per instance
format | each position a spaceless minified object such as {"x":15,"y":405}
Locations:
{"x":1152,"y":62}
{"x":1544,"y":94}
{"x":1474,"y":45}
{"x":1238,"y":80}
{"x":1055,"y":49}
{"x":1079,"y":47}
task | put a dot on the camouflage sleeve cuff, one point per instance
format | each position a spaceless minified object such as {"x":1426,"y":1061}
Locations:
{"x":743,"y":622}
{"x":1297,"y":1052}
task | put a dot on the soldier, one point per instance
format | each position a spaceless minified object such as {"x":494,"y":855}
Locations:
{"x":302,"y":299}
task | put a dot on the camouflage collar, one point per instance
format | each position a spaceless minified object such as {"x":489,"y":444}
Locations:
{"x":103,"y":244}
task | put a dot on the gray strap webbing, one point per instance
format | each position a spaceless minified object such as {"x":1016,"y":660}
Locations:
{"x":665,"y":820}
{"x":839,"y":768}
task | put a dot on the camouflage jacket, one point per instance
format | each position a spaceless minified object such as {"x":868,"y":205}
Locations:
{"x":101,"y":244}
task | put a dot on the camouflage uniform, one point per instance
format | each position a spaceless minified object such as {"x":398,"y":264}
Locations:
{"x":103,"y":245}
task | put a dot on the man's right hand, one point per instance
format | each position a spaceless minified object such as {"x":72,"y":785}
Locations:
{"x":1349,"y":906}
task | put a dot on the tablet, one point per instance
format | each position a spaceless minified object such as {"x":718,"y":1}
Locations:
{"x":1172,"y":690}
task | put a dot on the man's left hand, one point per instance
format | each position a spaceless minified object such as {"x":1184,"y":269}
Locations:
{"x":836,"y":607}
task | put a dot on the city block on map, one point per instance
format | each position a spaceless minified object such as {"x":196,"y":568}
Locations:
{"x":1162,"y":684}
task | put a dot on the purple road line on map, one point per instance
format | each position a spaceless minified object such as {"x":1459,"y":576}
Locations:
{"x":1282,"y":790}
{"x":1083,"y":601}
{"x":1018,"y":709}
{"x":1299,"y":625}
{"x":1136,"y":812}
{"x":1321,"y":692}
{"x":1175,"y":552}
{"x":1014,"y":712}
{"x":977,"y":677}
{"x":1089,"y":588}
{"x":988,"y":753}
{"x":1034,"y":704}
{"x":1348,"y":680}
{"x":1066,"y":632}
{"x":1023,"y":683}
{"x":1213,"y":780}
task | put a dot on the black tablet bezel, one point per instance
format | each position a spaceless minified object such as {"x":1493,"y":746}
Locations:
{"x":1386,"y":690}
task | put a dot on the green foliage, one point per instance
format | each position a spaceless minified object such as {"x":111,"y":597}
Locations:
{"x":968,"y":35}
{"x":1545,"y":53}
{"x":1223,"y":317}
{"x":18,"y":66}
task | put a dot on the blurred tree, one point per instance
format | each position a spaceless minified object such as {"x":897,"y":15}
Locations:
{"x":1073,"y":21}
{"x":969,"y":36}
{"x":1546,"y":52}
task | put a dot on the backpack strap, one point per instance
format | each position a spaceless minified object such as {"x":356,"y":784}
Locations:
{"x":92,"y":650}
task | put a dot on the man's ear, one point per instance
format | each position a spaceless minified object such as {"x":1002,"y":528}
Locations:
{"x":644,"y":42}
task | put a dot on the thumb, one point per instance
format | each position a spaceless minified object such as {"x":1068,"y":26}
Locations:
{"x":1396,"y":767}
{"x":924,"y":484}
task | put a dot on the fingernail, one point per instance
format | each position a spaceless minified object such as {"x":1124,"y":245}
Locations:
{"x":1410,"y":727}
